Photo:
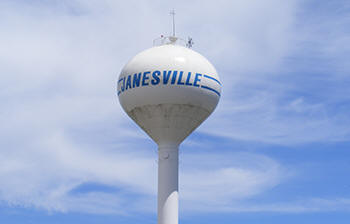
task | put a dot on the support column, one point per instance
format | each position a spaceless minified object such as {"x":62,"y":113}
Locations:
{"x":168,"y":196}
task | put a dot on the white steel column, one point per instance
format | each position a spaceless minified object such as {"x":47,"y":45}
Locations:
{"x":168,"y":196}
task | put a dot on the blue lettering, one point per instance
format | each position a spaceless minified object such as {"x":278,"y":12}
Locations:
{"x":156,"y":79}
{"x":119,"y":86}
{"x":128,"y":83}
{"x":123,"y":86}
{"x":197,"y":79}
{"x":136,"y":80}
{"x":179,"y":80}
{"x":166,"y":76}
{"x":188,"y":79}
{"x":173,"y":79}
{"x":145,"y":77}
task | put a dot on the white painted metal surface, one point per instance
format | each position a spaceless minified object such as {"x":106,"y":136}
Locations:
{"x":168,"y":90}
{"x":168,"y":184}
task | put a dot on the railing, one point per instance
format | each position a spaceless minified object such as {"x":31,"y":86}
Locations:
{"x":169,"y":40}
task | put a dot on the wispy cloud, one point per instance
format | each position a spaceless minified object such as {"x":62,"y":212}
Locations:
{"x":300,"y":95}
{"x":213,"y":180}
{"x":299,"y":206}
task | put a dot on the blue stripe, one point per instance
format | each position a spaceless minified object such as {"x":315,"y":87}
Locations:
{"x":211,"y":89}
{"x":209,"y":77}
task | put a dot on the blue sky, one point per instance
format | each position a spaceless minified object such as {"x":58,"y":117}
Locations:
{"x":276,"y":149}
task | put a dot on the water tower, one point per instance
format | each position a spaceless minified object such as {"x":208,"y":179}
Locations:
{"x":168,"y":90}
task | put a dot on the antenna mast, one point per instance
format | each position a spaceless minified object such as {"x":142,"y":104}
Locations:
{"x":172,"y":12}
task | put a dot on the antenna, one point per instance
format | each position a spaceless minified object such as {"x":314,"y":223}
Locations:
{"x":172,"y":12}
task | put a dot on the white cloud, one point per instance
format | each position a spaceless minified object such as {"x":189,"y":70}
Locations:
{"x":44,"y":174}
{"x":210,"y":181}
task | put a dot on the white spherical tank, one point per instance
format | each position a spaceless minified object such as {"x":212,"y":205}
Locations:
{"x":168,"y":90}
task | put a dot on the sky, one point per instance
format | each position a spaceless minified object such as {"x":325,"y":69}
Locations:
{"x":275,"y":150}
